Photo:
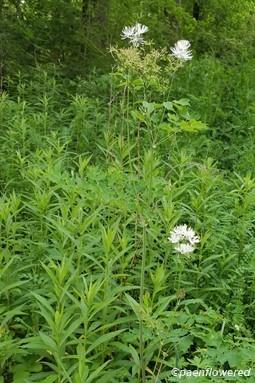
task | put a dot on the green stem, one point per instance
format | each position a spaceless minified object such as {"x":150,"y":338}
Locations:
{"x":142,"y":362}
{"x":139,"y":148}
{"x":179,"y":278}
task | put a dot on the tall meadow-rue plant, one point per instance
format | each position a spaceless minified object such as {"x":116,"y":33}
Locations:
{"x":142,"y":79}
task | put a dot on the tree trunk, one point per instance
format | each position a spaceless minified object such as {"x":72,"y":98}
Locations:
{"x":196,"y":10}
{"x":1,"y":48}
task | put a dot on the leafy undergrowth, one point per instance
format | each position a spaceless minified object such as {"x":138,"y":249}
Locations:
{"x":92,"y":290}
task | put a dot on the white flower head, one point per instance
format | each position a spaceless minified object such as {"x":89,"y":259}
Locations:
{"x":184,"y":238}
{"x":137,"y":40}
{"x":140,"y":28}
{"x":181,"y":50}
{"x":128,"y":32}
{"x":184,"y":248}
{"x":134,"y":34}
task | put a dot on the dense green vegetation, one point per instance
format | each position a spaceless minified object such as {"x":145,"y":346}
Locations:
{"x":105,"y":149}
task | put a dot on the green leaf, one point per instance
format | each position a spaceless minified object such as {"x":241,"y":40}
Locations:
{"x":96,"y":373}
{"x":20,"y":376}
{"x":137,"y":83}
{"x":121,"y":346}
{"x":192,"y":126}
{"x":182,"y":101}
{"x":140,"y":116}
{"x":70,"y":330}
{"x":49,"y":342}
{"x":168,"y":127}
{"x":50,"y":379}
{"x":135,"y":355}
{"x":149,"y":106}
{"x":233,"y":357}
{"x":184,"y":343}
{"x":168,"y":105}
{"x":134,"y":305}
{"x":104,"y":338}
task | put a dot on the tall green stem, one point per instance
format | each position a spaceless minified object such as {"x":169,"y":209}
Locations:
{"x":142,"y":362}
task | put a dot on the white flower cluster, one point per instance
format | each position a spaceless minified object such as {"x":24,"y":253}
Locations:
{"x":134,"y":34}
{"x":184,"y":238}
{"x":181,"y":50}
